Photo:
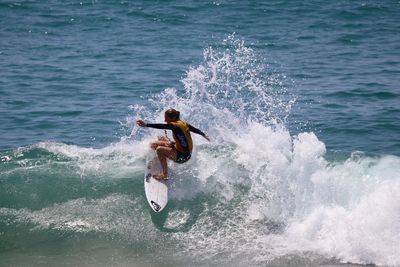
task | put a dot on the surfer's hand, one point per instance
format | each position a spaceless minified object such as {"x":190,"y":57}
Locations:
{"x":207,"y":138}
{"x":141,"y":123}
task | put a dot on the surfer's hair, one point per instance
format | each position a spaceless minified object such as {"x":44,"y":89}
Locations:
{"x":172,"y":114}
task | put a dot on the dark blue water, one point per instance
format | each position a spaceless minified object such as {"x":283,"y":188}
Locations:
{"x":69,"y":70}
{"x":301,"y":99}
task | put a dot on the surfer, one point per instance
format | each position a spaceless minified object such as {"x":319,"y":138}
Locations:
{"x":179,"y":151}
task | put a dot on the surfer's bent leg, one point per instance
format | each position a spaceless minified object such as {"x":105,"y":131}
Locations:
{"x":164,"y":152}
{"x":156,"y":144}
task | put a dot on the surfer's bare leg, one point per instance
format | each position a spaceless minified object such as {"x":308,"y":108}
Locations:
{"x":164,"y":152}
{"x":164,"y":149}
{"x":154,"y":145}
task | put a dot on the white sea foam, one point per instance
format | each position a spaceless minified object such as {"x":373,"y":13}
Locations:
{"x":119,"y":159}
{"x":278,"y":193}
{"x":345,"y":209}
{"x":110,"y":215}
{"x":366,"y":233}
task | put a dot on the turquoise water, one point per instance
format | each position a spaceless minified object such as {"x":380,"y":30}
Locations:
{"x":301,"y":100}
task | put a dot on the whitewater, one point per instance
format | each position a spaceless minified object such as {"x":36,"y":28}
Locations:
{"x":259,"y":194}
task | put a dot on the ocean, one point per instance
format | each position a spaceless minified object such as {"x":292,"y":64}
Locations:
{"x":301,"y":100}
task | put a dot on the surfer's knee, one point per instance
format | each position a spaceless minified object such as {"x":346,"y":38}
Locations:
{"x":156,"y":144}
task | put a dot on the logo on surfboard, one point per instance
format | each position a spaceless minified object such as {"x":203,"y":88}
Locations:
{"x":155,"y":206}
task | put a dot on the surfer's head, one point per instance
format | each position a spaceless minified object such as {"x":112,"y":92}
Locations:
{"x":171,"y":115}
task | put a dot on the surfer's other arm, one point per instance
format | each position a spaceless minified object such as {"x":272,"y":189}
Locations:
{"x":197,"y":131}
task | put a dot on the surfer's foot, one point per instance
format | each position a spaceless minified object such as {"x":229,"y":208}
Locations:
{"x":161,"y":177}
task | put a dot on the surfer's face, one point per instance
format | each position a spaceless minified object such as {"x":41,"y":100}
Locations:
{"x":167,"y":119}
{"x":170,"y":117}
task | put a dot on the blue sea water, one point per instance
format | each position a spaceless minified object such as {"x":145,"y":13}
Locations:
{"x":300,"y":98}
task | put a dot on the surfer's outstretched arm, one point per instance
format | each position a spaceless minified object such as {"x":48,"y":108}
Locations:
{"x":197,"y":131}
{"x":164,"y":126}
{"x":167,"y":126}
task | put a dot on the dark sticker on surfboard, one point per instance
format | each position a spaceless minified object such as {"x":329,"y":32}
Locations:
{"x":155,"y":206}
{"x":148,"y":176}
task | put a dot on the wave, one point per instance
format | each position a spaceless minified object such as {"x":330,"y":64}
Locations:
{"x":255,"y":194}
{"x":237,"y":199}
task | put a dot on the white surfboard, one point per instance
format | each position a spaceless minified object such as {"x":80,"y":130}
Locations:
{"x":156,"y":191}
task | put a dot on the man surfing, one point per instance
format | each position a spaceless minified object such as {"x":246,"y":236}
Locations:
{"x":179,"y":151}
